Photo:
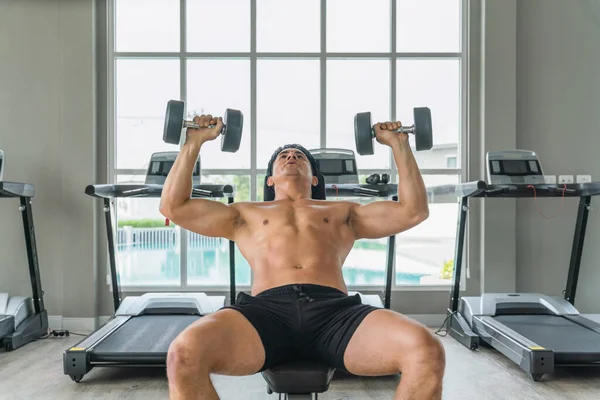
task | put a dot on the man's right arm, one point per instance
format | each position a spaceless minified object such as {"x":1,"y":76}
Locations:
{"x":205,"y":217}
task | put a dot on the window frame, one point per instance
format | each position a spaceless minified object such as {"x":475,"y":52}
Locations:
{"x":253,"y":171}
{"x":452,"y":157}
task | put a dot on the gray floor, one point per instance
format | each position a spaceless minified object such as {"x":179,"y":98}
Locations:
{"x":35,"y":372}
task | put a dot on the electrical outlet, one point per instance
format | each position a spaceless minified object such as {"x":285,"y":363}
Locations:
{"x":565,"y":179}
{"x":584,"y":178}
{"x":550,"y":179}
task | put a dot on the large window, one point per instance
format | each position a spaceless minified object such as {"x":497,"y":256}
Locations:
{"x":299,"y":70}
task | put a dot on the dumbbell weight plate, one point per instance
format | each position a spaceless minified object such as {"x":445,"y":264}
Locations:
{"x":363,"y":135}
{"x":173,"y":122}
{"x":423,"y":130}
{"x":232,"y":133}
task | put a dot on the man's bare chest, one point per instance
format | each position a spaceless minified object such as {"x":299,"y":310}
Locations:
{"x":294,"y":216}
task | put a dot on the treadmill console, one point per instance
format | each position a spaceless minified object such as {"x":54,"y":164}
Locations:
{"x":513,"y":167}
{"x":160,"y":165}
{"x":1,"y":165}
{"x":336,"y":165}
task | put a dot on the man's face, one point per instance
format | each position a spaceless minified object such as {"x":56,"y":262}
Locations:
{"x":291,"y":162}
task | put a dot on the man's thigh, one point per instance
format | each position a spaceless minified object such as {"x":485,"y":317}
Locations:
{"x":225,"y":340}
{"x":386,"y":342}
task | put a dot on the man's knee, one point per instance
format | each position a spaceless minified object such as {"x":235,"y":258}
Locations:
{"x":427,"y":352}
{"x":429,"y":348}
{"x":192,"y":349}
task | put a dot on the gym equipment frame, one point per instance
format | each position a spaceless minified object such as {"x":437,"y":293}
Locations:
{"x":535,"y":331}
{"x":143,"y":327}
{"x":28,"y":320}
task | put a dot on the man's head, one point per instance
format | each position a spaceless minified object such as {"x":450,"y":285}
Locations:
{"x":294,"y":164}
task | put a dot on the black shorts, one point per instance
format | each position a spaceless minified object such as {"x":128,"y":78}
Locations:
{"x":303,"y":322}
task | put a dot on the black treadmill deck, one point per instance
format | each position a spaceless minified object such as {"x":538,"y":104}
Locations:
{"x":142,"y":338}
{"x":570,"y":342}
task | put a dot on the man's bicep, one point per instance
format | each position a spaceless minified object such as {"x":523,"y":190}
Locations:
{"x":381,"y":219}
{"x":207,"y":218}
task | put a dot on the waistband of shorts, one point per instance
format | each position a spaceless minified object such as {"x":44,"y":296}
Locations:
{"x":299,"y":288}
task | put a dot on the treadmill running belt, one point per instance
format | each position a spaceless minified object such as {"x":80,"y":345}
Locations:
{"x":145,"y":334}
{"x":570,"y":341}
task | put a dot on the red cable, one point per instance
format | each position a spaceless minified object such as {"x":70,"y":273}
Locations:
{"x":538,"y":208}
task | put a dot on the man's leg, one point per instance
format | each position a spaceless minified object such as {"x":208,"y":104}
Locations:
{"x":224,"y":343}
{"x":386,"y":343}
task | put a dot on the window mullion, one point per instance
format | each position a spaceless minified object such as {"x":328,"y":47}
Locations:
{"x":183,"y":233}
{"x":323,"y":83}
{"x":393,"y":77}
{"x":253,"y":110}
{"x":253,"y":97}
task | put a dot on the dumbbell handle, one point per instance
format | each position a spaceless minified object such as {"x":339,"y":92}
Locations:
{"x":192,"y":124}
{"x":402,"y":129}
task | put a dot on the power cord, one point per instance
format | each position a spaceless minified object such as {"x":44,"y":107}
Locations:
{"x":60,"y":333}
{"x":538,"y":207}
{"x":441,"y":329}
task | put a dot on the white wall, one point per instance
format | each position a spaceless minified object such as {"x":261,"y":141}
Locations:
{"x":47,"y":117}
{"x":558,"y":99}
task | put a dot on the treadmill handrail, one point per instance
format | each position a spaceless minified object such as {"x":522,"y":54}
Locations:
{"x":110,"y":191}
{"x":360,"y":190}
{"x":470,"y":189}
{"x":16,"y":189}
{"x":482,"y":189}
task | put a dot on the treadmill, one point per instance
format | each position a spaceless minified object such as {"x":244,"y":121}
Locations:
{"x":535,"y":331}
{"x":23,"y":319}
{"x":142,"y":328}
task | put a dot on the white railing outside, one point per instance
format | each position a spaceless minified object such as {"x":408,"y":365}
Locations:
{"x":162,"y":238}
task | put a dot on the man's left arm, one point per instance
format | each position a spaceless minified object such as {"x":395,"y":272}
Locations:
{"x":385,"y":218}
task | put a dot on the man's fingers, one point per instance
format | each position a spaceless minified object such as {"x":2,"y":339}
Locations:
{"x":204,"y":121}
{"x":218,"y":122}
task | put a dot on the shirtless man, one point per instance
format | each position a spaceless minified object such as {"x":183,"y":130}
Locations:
{"x":299,"y":304}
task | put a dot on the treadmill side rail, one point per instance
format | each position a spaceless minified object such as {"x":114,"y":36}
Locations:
{"x":528,"y":355}
{"x":94,"y":338}
{"x":588,"y":323}
{"x":460,"y":330}
{"x":76,"y":359}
